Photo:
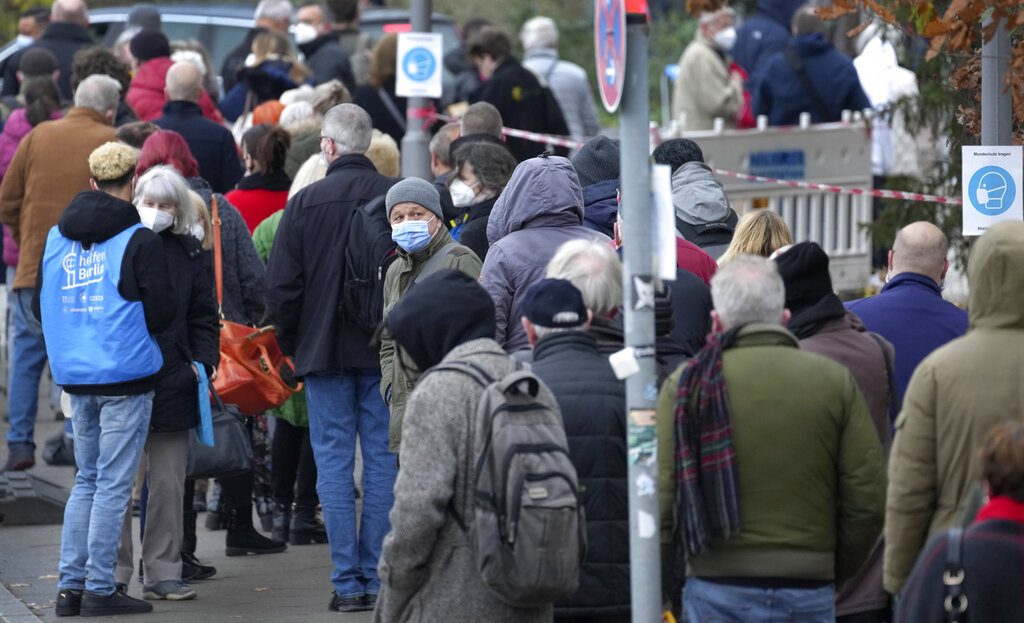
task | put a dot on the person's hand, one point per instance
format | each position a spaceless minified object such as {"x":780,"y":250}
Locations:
{"x":213,"y":377}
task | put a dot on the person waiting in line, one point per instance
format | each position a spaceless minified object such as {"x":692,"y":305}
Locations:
{"x":758,"y":232}
{"x":264,"y":188}
{"x":481,"y":172}
{"x":706,"y":89}
{"x":378,"y":97}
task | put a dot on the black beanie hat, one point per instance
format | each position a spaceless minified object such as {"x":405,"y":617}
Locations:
{"x":37,"y":62}
{"x":437,"y":314}
{"x":804,"y":270}
{"x":597,"y":161}
{"x":149,"y":44}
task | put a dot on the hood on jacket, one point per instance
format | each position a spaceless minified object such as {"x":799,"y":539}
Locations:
{"x":423,"y":324}
{"x":600,"y":207}
{"x":812,"y":45}
{"x":996,"y":277}
{"x":698,"y":196}
{"x":94,"y":216}
{"x":780,"y":11}
{"x":543,"y":192}
{"x":152,"y":75}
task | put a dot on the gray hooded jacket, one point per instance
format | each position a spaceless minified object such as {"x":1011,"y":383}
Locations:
{"x":703,"y":214}
{"x":540,"y":209}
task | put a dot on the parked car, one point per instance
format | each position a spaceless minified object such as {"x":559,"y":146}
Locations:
{"x":221,"y":27}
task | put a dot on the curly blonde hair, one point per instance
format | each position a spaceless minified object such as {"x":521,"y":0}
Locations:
{"x":112,"y":161}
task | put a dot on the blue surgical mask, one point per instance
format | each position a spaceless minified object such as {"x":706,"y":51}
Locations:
{"x":412,"y":236}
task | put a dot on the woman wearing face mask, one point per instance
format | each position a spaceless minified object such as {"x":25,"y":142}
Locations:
{"x":425,"y":247}
{"x":244,"y":303}
{"x":706,"y":89}
{"x":167,"y":206}
{"x":481,"y":172}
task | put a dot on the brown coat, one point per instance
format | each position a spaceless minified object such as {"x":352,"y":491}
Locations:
{"x":50,"y":167}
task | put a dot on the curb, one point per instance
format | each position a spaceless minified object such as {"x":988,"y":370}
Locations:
{"x":12,"y":610}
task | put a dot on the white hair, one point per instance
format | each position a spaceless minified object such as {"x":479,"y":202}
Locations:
{"x":184,"y":81}
{"x":349,"y":127}
{"x":595,"y":270}
{"x":295,"y":113}
{"x":193,"y":57}
{"x":163,"y":184}
{"x":748,"y":290}
{"x":543,"y":332}
{"x":538,"y":33}
{"x":709,"y":16}
{"x":98,"y":92}
{"x":276,"y":10}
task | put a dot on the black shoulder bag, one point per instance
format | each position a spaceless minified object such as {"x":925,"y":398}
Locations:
{"x":955,"y":602}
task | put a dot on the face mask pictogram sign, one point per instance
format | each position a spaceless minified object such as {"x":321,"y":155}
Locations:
{"x":992,"y":187}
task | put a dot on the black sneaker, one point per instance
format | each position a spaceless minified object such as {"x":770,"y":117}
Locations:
{"x":370,"y":600}
{"x":94,"y":605}
{"x":347,"y":604}
{"x":69,"y":602}
{"x":192,"y":570}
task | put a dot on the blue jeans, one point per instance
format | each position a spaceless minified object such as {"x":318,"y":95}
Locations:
{"x":110,"y":432}
{"x":27,"y":358}
{"x":340,"y":407}
{"x":711,"y":602}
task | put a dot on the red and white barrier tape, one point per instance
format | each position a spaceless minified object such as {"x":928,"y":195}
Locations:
{"x":882,"y":193}
{"x":563,"y":141}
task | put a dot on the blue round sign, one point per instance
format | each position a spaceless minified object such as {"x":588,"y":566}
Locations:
{"x":991,"y":190}
{"x":419,"y":64}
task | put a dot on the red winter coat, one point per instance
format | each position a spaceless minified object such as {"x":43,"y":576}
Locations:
{"x":256,"y":204}
{"x":692,"y":258}
{"x":146,"y":93}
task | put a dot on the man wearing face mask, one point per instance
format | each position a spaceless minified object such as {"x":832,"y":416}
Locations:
{"x":425,"y":247}
{"x":314,"y":34}
{"x":705,"y":88}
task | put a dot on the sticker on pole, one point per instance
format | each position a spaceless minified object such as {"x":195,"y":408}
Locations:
{"x":992,"y":182}
{"x":419,"y":65}
{"x":610,"y":50}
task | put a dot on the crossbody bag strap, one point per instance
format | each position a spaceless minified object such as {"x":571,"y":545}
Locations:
{"x":955,"y":602}
{"x":392,"y":108}
{"x":218,"y":261}
{"x":890,"y":371}
{"x":797,"y":65}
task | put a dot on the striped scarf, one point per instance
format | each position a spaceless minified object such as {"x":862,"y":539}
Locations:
{"x":705,"y":461}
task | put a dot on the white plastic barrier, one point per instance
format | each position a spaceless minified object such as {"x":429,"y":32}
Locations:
{"x":838,"y":154}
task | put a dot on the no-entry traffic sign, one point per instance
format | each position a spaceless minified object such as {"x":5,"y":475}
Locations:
{"x":610,"y":50}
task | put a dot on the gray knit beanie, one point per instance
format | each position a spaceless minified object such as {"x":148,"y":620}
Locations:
{"x":597,"y":161}
{"x":414,"y":190}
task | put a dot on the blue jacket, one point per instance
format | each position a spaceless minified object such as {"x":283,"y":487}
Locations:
{"x":911,"y":314}
{"x":764,"y":33}
{"x":601,"y":207}
{"x":211,"y":144}
{"x":778,"y":92}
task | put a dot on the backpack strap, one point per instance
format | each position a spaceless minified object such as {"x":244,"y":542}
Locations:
{"x":955,"y":603}
{"x":797,"y":65}
{"x":481,"y":377}
{"x":435,"y":260}
{"x":890,"y":372}
{"x":392,"y":108}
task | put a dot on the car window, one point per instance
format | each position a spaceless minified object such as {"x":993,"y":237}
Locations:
{"x":224,"y":39}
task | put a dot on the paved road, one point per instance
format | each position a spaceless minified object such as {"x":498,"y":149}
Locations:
{"x":288,"y":587}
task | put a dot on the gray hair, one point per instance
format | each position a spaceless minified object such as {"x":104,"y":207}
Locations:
{"x":276,"y":10}
{"x":595,"y":270}
{"x":481,"y":118}
{"x":441,"y":142}
{"x":543,"y":332}
{"x":709,"y":16}
{"x":164,"y":184}
{"x":98,"y":92}
{"x":748,"y":289}
{"x":538,"y":33}
{"x":806,"y":22}
{"x":349,"y":127}
{"x":184,"y":81}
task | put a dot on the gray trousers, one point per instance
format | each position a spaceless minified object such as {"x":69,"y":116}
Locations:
{"x":167,"y":455}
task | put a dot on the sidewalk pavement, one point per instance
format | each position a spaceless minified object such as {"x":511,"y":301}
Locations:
{"x":292,"y":586}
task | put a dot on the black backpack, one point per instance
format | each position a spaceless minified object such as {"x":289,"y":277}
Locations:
{"x":369,"y":252}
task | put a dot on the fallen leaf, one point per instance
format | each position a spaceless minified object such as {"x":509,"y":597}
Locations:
{"x":262,"y":589}
{"x":20,"y":585}
{"x":48,"y":577}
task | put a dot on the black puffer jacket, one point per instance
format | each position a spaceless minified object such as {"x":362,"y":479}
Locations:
{"x":593,"y":404}
{"x":193,"y":336}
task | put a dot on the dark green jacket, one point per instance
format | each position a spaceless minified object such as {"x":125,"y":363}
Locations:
{"x":398,"y":378}
{"x":810,"y":474}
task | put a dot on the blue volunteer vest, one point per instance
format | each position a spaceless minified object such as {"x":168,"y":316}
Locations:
{"x":93,"y":335}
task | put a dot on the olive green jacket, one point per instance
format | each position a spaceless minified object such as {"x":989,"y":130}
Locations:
{"x":955,"y":397}
{"x":399,"y":374}
{"x":810,"y":474}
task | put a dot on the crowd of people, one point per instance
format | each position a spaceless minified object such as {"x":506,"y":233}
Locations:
{"x":811,"y":452}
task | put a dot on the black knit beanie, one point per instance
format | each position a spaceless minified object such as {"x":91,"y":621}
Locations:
{"x":597,"y":161}
{"x":149,"y":44}
{"x":804,"y":270}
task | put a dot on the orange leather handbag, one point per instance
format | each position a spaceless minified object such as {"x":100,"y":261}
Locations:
{"x":253,"y":374}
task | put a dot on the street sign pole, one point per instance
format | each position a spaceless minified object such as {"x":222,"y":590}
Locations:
{"x":995,"y":96}
{"x":415,"y":143}
{"x":639,"y":282}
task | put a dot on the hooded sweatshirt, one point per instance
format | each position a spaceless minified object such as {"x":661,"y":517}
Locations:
{"x":540,"y":209}
{"x":93,"y":231}
{"x":765,"y":33}
{"x":955,"y":397}
{"x":703,"y":214}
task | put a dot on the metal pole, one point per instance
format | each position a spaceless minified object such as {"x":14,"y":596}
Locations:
{"x":641,"y":388}
{"x":415,"y":143}
{"x":995,"y":96}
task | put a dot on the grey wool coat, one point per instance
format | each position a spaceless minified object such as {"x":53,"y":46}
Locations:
{"x":427,"y":569}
